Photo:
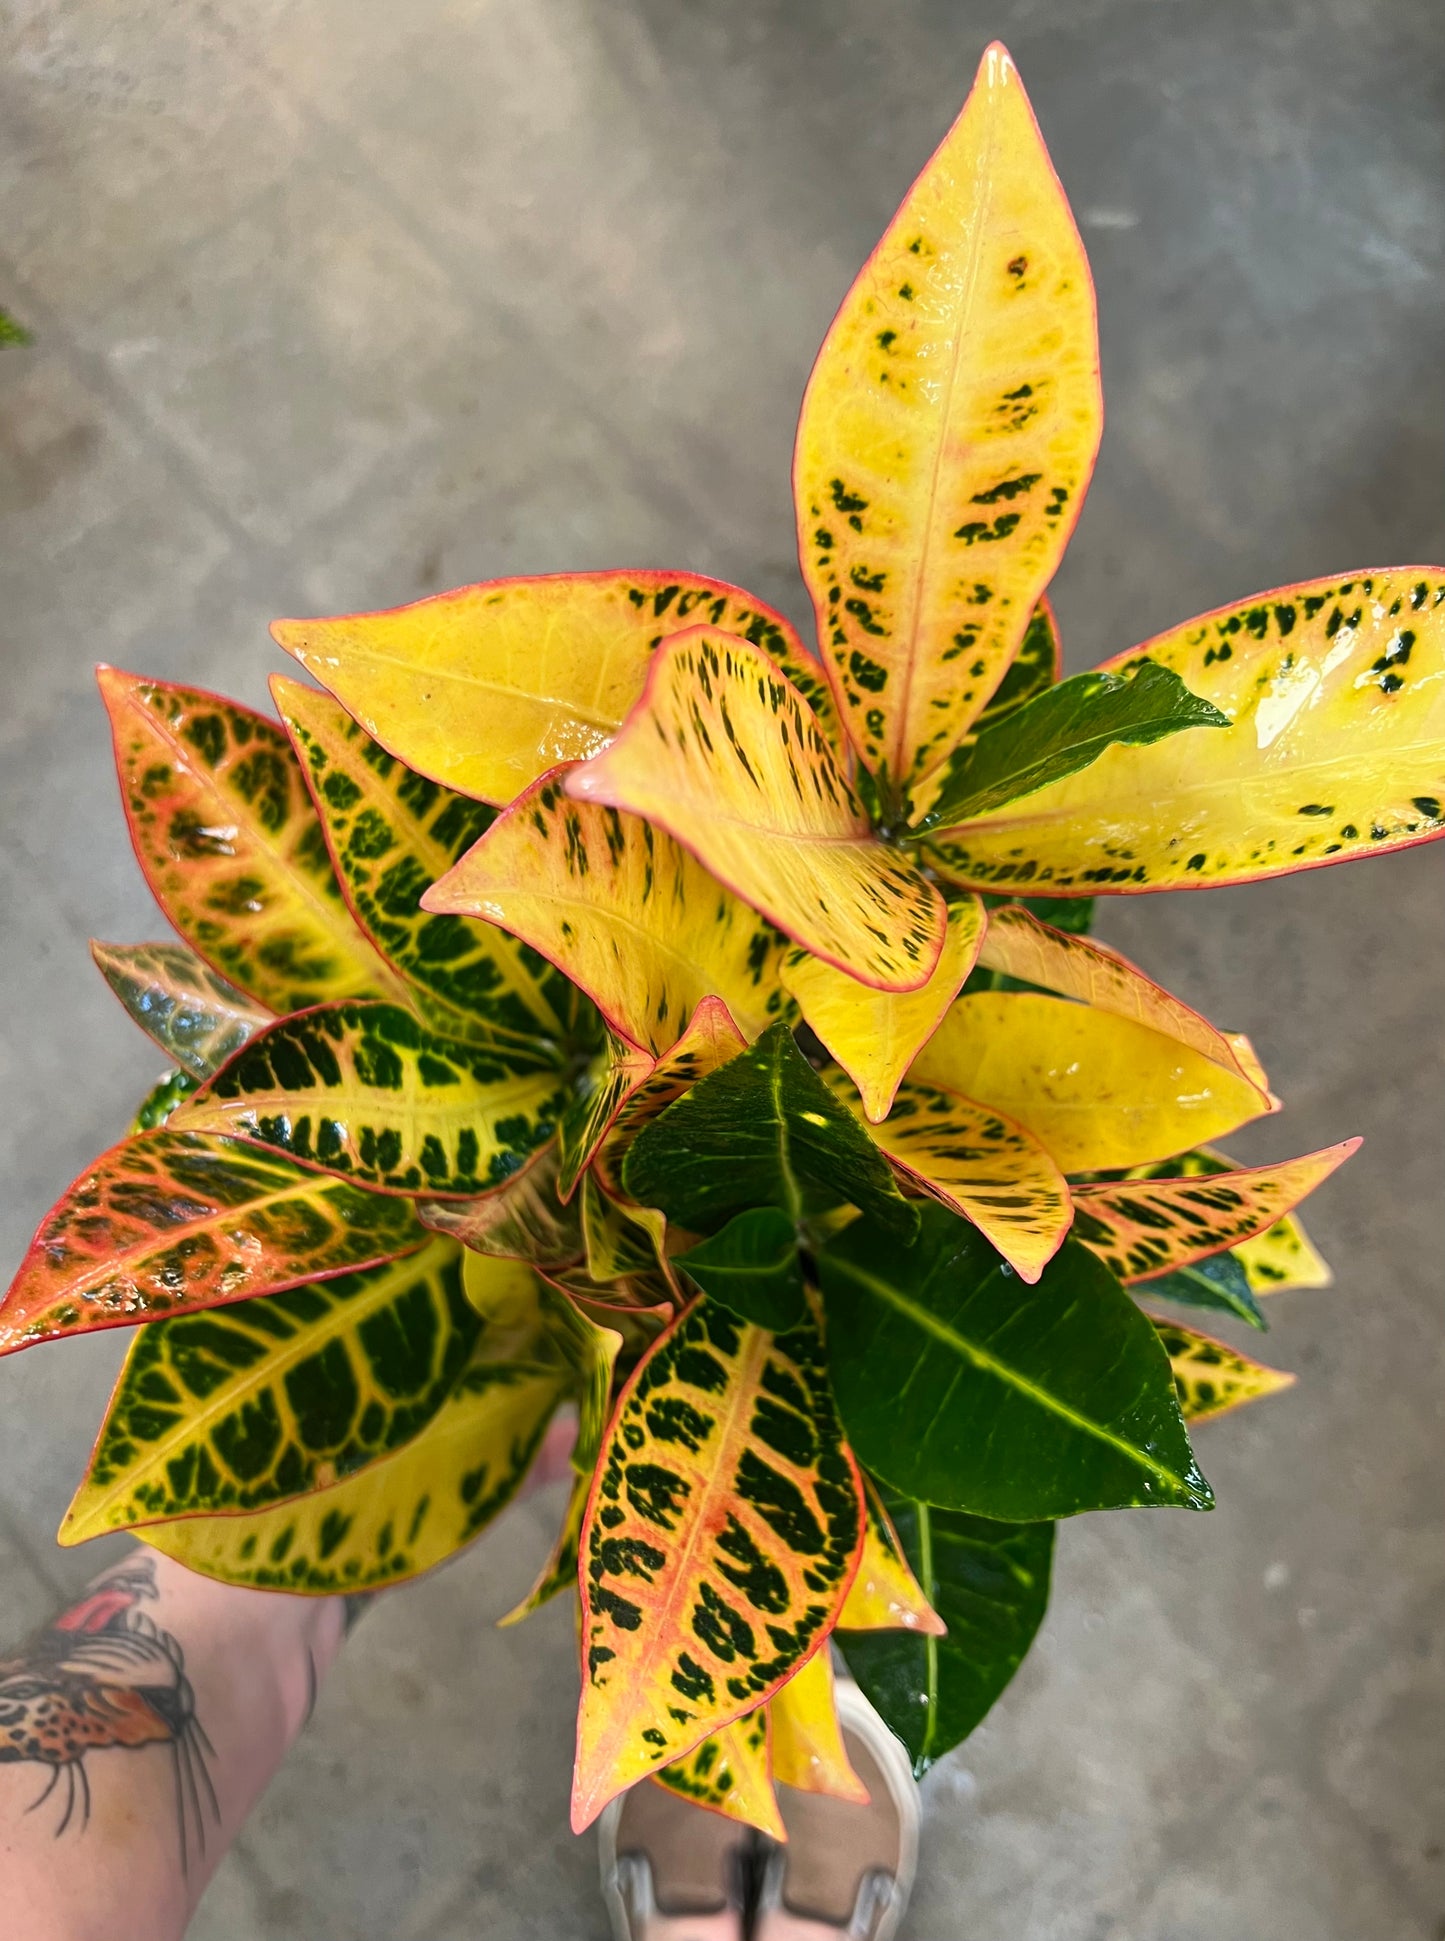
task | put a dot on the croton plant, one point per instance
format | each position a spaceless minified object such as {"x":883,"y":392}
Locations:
{"x":590,"y":998}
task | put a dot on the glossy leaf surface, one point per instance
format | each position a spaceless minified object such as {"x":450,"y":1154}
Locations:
{"x":1021,"y":946}
{"x":190,"y":1011}
{"x":808,"y":1750}
{"x":985,"y":1167}
{"x":1336,"y":692}
{"x":710,"y":1040}
{"x":1166,"y":1220}
{"x":1218,"y":1282}
{"x":1097,"y":1090}
{"x":367,"y":1091}
{"x":948,"y":433}
{"x":1058,"y":733}
{"x":231,"y":846}
{"x":523,"y":1219}
{"x":964,"y":1387}
{"x":762,"y":1130}
{"x":876,"y":1035}
{"x":169,"y":1222}
{"x":622,"y":1241}
{"x":398,"y":1518}
{"x":885,"y":1595}
{"x":751,"y":1267}
{"x":162,"y":1101}
{"x":723,"y":1532}
{"x":729,"y":1773}
{"x":1212,"y":1377}
{"x":627,"y":913}
{"x":990,"y":1583}
{"x":486,"y":688}
{"x":392,"y":833}
{"x":1281,"y":1257}
{"x":252,"y":1404}
{"x":723,"y":753}
{"x":598,"y":1097}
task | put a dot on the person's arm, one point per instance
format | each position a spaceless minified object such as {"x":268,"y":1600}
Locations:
{"x":137,"y":1730}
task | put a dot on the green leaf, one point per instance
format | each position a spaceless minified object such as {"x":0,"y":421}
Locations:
{"x":962,"y":1385}
{"x":762,"y":1130}
{"x":164,"y":1097}
{"x":752,"y":1268}
{"x":1216,"y":1282}
{"x":249,"y":1405}
{"x":989,"y":1582}
{"x":12,"y":332}
{"x":1034,"y":669}
{"x":190,"y":1011}
{"x":1059,"y":732}
{"x":1072,"y":914}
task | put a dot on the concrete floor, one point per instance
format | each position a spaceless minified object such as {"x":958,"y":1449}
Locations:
{"x":337,"y":302}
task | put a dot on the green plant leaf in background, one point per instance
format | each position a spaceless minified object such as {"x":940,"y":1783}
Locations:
{"x":963,"y":1386}
{"x":368,"y":1091}
{"x":12,"y":332}
{"x":989,"y":1582}
{"x":1037,"y":666}
{"x":751,"y":1267}
{"x":762,"y":1130}
{"x":1212,"y":1377}
{"x":252,"y":1404}
{"x":1217,"y":1282}
{"x":1057,"y":733}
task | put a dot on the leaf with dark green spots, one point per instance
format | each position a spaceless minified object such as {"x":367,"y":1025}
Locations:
{"x":989,"y":1582}
{"x":404,"y":1514}
{"x":170,"y":1222}
{"x":522,"y":1220}
{"x":367,"y":1091}
{"x":1217,"y":1282}
{"x":1036,"y":667}
{"x":762,"y":1130}
{"x":962,"y":1385}
{"x":1059,"y":732}
{"x":392,"y":833}
{"x":191,"y":1012}
{"x":751,"y":1267}
{"x":1212,"y":1377}
{"x":253,"y":1404}
{"x":605,"y":1084}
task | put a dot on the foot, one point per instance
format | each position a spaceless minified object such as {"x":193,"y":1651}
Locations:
{"x":670,"y":1871}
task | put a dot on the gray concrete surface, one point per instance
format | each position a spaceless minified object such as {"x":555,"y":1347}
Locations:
{"x":340,"y":301}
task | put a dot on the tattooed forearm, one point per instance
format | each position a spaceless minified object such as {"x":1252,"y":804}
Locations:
{"x":104,"y":1676}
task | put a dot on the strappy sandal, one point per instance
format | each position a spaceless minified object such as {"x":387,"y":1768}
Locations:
{"x":670,"y":1870}
{"x":847,"y":1871}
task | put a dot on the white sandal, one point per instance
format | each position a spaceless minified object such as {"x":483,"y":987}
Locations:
{"x":671,"y":1871}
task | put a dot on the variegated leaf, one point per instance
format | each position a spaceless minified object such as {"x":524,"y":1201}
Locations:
{"x":622,"y":1241}
{"x":609,"y":1079}
{"x":948,"y":434}
{"x":255,"y":1403}
{"x":1095,"y":1089}
{"x":885,"y":1595}
{"x":984,"y":1166}
{"x":486,"y":688}
{"x":1037,"y":665}
{"x":194,"y":1015}
{"x":807,"y":1749}
{"x":722,"y":1535}
{"x":1281,"y":1258}
{"x":367,"y":1091}
{"x":523,"y":1219}
{"x":1336,"y":692}
{"x":392,"y":833}
{"x":1142,"y":1227}
{"x":876,"y":1035}
{"x":1210,"y":1376}
{"x":723,"y":753}
{"x":729,"y":1773}
{"x":627,"y":913}
{"x":161,"y":1102}
{"x":171,"y":1222}
{"x":1018,"y":944}
{"x":231,"y":846}
{"x":710,"y":1040}
{"x":398,"y":1518}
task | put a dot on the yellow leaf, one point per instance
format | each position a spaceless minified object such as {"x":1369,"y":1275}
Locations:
{"x":885,"y":1596}
{"x":807,"y":1740}
{"x":729,"y":1774}
{"x":1336,"y":693}
{"x":622,"y":909}
{"x":486,"y":688}
{"x":1020,"y":946}
{"x":985,"y":1166}
{"x":1142,"y":1227}
{"x":1097,"y":1090}
{"x":723,"y":753}
{"x":876,"y":1035}
{"x":1283,"y":1258}
{"x":948,"y":434}
{"x":1212,"y":1377}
